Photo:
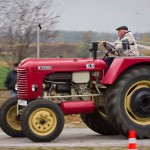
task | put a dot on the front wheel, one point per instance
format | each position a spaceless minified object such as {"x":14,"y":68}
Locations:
{"x":128,"y":102}
{"x":42,"y":121}
{"x":9,"y":121}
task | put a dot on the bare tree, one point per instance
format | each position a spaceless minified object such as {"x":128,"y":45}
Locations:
{"x":19,"y":23}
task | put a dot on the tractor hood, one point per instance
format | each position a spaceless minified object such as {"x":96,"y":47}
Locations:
{"x":62,"y":64}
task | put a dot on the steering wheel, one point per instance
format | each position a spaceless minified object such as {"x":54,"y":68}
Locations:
{"x":109,"y":48}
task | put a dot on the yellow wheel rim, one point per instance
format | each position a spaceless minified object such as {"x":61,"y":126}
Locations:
{"x":102,"y":112}
{"x":127,"y":103}
{"x":12,"y":119}
{"x":42,"y":121}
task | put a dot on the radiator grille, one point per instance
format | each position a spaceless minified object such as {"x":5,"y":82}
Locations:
{"x":22,"y":83}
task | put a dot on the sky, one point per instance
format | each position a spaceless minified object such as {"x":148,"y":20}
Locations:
{"x":103,"y":15}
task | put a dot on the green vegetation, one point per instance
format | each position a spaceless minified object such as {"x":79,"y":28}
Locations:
{"x":3,"y":74}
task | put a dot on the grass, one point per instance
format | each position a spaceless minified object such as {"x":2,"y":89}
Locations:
{"x":3,"y":73}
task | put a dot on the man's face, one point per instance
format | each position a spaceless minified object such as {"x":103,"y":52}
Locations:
{"x":121,"y":33}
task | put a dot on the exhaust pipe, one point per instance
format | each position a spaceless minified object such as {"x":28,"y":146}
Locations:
{"x":77,"y":107}
{"x":94,"y":49}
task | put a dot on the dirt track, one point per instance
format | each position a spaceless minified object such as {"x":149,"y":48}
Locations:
{"x":72,"y":137}
{"x":4,"y":95}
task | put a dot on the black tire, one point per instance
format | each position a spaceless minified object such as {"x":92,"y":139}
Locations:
{"x":42,"y":121}
{"x":127,"y":102}
{"x":98,"y":123}
{"x":9,"y":121}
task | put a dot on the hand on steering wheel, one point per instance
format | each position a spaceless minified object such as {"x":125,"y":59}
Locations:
{"x":109,"y":47}
{"x":103,"y":43}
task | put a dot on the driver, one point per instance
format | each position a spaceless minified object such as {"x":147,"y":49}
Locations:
{"x":124,"y":34}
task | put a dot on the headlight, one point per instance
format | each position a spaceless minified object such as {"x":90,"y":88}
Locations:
{"x":34,"y":87}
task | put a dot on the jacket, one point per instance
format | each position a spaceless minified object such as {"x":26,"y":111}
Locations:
{"x":133,"y":51}
{"x":11,"y":80}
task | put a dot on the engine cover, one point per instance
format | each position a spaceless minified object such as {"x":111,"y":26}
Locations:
{"x":81,"y":77}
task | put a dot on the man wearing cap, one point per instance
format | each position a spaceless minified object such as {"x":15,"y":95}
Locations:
{"x":11,"y":80}
{"x":125,"y":36}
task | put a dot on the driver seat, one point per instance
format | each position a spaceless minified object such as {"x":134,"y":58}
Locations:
{"x":109,"y":61}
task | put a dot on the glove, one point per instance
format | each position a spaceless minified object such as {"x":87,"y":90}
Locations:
{"x":103,"y":43}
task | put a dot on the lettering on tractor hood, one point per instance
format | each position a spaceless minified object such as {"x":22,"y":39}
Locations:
{"x":44,"y":67}
{"x":90,"y":66}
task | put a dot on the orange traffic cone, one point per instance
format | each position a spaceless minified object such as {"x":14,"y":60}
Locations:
{"x":132,"y":140}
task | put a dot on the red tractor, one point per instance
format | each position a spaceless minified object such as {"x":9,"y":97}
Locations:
{"x":110,"y":98}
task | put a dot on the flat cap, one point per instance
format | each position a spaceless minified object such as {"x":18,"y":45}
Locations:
{"x":122,"y":27}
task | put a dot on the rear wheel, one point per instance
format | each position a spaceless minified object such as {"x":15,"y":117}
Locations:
{"x":128,"y":102}
{"x":98,"y":123}
{"x":42,"y":121}
{"x":9,"y":121}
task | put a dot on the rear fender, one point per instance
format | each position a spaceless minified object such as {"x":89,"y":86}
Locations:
{"x":119,"y":65}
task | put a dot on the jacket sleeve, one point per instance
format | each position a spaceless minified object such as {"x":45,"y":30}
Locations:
{"x":118,"y":45}
{"x":6,"y":83}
